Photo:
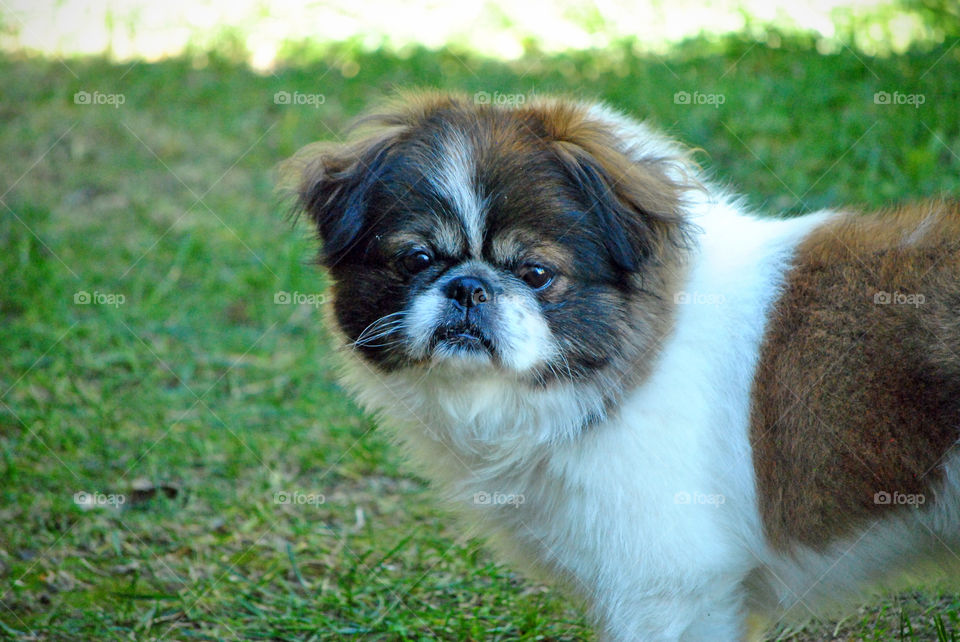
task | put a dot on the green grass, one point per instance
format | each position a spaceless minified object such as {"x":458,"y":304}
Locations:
{"x":199,"y":382}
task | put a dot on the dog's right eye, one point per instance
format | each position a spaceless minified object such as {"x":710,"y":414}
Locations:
{"x":416,"y":261}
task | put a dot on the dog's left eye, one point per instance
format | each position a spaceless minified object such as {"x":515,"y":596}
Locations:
{"x":416,"y":261}
{"x":536,"y":276}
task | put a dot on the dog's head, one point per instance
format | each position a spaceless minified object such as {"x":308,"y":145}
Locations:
{"x":538,"y":240}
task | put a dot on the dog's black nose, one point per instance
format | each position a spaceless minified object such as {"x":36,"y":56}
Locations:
{"x":468,"y":291}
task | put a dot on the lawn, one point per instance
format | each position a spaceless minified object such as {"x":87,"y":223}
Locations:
{"x":176,"y":459}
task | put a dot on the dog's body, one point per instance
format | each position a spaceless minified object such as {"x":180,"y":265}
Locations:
{"x":683,"y":413}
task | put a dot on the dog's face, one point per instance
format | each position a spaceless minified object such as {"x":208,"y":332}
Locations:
{"x":479,"y":238}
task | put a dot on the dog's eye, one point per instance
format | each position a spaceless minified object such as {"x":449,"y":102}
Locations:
{"x":536,"y":276}
{"x":416,"y":261}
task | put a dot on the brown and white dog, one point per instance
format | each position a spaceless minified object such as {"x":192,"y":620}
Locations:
{"x":685,"y":414}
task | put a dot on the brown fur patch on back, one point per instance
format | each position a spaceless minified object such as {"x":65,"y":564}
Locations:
{"x":856,"y":398}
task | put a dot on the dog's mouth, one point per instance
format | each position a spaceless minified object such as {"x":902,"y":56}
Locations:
{"x":462,"y":337}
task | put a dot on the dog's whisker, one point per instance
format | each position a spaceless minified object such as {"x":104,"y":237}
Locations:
{"x":387,"y":317}
{"x":375,"y":337}
{"x":378,"y":330}
{"x":382,"y":327}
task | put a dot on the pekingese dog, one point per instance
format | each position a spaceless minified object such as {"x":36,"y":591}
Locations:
{"x":698,"y":420}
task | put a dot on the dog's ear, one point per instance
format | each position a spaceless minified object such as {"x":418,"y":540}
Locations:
{"x":333,"y":180}
{"x":639,"y":200}
{"x":334,"y":189}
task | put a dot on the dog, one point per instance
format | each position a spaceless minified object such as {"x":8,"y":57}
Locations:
{"x":697,"y":420}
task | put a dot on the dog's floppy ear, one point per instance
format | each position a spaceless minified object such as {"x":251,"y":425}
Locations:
{"x":334,"y":187}
{"x":636,"y":199}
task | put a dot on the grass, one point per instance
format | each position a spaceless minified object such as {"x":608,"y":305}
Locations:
{"x":198,"y":398}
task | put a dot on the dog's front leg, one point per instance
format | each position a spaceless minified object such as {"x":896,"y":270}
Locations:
{"x":693,"y":616}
